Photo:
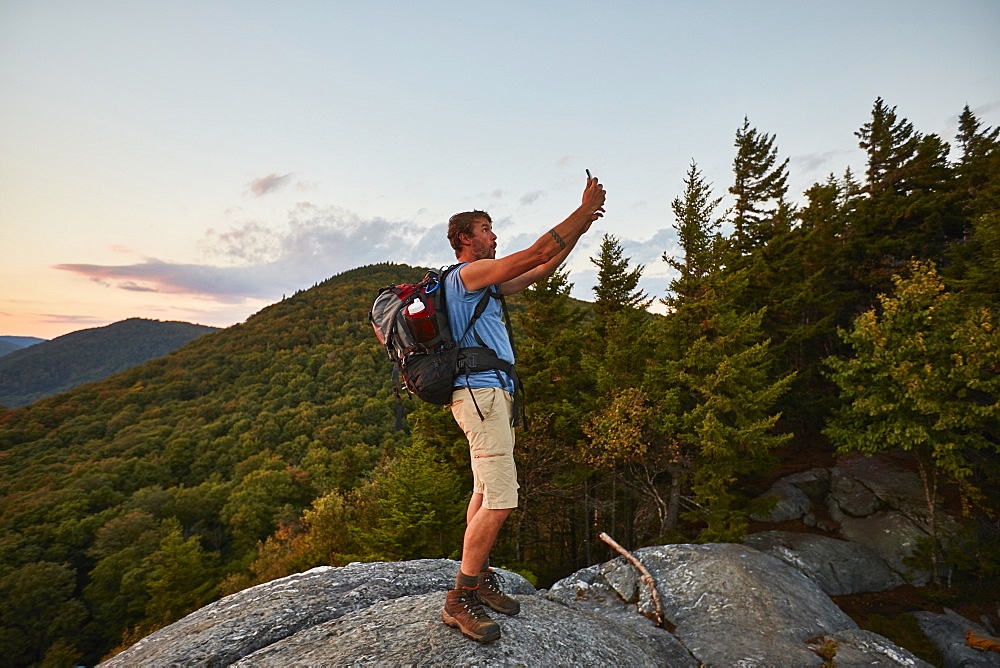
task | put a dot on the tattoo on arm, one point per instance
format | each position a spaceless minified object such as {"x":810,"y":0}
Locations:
{"x":559,"y":239}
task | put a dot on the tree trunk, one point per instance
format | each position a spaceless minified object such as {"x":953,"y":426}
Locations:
{"x":929,"y":478}
{"x":677,"y":478}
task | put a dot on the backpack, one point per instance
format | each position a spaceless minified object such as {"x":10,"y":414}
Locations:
{"x":411,"y":321}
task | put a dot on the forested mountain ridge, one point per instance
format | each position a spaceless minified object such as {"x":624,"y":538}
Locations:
{"x":170,"y":471}
{"x":50,"y":367}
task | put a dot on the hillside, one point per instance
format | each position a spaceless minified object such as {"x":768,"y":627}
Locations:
{"x":9,"y":344}
{"x":50,"y":367}
{"x":127,"y":500}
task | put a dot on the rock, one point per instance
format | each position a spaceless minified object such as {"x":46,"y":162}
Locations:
{"x":729,"y":604}
{"x":893,"y":537}
{"x":884,"y":480}
{"x":408,"y":631}
{"x":794,"y":494}
{"x":239,"y":624}
{"x":850,"y":496}
{"x":624,"y":581}
{"x":791,"y":504}
{"x":814,"y":482}
{"x":864,"y":648}
{"x":947,"y":632}
{"x":837,"y":566}
{"x":734,"y":605}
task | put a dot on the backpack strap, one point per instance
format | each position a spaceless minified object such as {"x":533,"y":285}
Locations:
{"x":484,"y":358}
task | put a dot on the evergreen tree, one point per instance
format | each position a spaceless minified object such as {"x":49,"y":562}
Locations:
{"x":551,"y":526}
{"x":912,"y":210}
{"x":974,"y":260}
{"x":616,"y":339}
{"x":701,"y":416}
{"x":891,"y":144}
{"x":619,"y":345}
{"x":809,"y":291}
{"x":759,"y":188}
{"x":697,"y":233}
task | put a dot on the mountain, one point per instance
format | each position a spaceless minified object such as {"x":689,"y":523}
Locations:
{"x":51,"y":367}
{"x":125,"y":502}
{"x":9,"y":344}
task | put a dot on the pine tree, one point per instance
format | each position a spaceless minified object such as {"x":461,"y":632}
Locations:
{"x":701,"y":416}
{"x":617,"y":334}
{"x":912,"y":209}
{"x":809,"y":291}
{"x":618,"y":350}
{"x":697,"y":233}
{"x":974,"y":260}
{"x":551,"y":529}
{"x":760,"y":186}
{"x":890,"y":143}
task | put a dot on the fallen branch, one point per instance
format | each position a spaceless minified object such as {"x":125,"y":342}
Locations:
{"x":644,"y":575}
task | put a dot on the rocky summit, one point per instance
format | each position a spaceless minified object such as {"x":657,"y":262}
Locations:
{"x":722,"y":604}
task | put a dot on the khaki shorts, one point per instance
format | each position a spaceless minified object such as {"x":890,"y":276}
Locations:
{"x":491,"y":443}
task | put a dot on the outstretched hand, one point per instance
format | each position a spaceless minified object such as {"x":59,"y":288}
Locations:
{"x":593,"y":199}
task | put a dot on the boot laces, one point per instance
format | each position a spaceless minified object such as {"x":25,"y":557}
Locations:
{"x":470,"y":601}
{"x":493,"y":580}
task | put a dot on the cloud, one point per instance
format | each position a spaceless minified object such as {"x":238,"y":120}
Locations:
{"x":265,"y":184}
{"x":815,"y":162}
{"x":255,"y":261}
{"x":60,"y":319}
{"x":252,"y":260}
{"x":531,"y":198}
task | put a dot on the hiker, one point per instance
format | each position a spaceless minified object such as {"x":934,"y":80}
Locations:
{"x":482,"y":401}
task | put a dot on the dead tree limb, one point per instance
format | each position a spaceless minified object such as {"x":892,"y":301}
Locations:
{"x":644,"y":575}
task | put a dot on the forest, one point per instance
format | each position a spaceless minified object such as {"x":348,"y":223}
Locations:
{"x":863,"y":319}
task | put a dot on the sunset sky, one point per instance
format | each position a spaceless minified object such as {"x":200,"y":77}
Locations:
{"x":198,"y":160}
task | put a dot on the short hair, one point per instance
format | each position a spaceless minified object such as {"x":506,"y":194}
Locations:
{"x":461,"y":223}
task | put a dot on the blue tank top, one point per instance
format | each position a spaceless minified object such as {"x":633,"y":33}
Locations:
{"x":489,"y":326}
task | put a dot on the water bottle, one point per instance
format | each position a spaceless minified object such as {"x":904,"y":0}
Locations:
{"x":420,"y":317}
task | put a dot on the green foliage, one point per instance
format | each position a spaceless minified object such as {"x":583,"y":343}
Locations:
{"x":697,"y":233}
{"x":904,"y":630}
{"x":923,"y":379}
{"x":38,"y":609}
{"x":156,"y":485}
{"x":421,"y":506}
{"x":759,"y":188}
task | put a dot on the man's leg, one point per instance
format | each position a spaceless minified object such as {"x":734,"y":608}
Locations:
{"x":480,"y":534}
{"x":491,"y":445}
{"x":463,"y":607}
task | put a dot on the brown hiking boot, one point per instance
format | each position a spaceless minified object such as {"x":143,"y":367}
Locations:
{"x":491,"y":594}
{"x":463,"y":610}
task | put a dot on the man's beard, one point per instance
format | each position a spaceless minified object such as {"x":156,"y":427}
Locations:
{"x":484,"y":251}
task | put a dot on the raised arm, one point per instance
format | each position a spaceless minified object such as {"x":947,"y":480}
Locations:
{"x":518,"y":270}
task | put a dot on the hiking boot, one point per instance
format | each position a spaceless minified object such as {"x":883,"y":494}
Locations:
{"x":492,"y":595}
{"x":464,"y":611}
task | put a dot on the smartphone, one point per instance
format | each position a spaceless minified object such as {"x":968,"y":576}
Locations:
{"x":588,"y":174}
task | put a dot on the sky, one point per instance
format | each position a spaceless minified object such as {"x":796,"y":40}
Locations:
{"x":198,"y":161}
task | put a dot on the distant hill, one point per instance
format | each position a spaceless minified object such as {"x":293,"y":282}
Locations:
{"x":52,"y":367}
{"x":9,"y":344}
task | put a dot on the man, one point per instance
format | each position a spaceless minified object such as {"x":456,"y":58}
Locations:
{"x":482,"y":402}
